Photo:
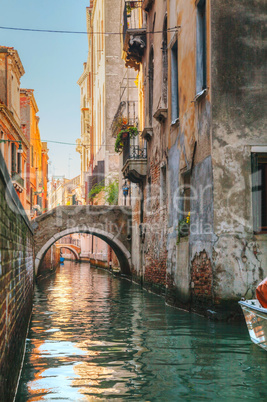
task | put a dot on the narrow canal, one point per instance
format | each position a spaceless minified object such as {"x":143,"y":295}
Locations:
{"x":95,"y":337}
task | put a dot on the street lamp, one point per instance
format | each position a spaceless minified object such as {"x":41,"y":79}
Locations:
{"x":20,"y":150}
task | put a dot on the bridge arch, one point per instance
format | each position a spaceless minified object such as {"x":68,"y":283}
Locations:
{"x":110,"y":223}
{"x":123,"y":255}
{"x":69,"y":248}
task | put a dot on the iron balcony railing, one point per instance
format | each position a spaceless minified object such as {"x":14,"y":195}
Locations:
{"x":131,"y":16}
{"x":133,"y":152}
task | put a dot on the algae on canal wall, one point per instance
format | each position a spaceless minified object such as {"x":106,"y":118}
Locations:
{"x":16,"y":283}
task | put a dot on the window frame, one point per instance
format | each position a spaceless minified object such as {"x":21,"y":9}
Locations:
{"x":259,"y":200}
{"x":174,"y":83}
{"x":201,"y":46}
{"x":151,"y":84}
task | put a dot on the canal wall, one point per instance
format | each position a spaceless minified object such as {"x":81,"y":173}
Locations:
{"x":16,"y":283}
{"x":50,"y":262}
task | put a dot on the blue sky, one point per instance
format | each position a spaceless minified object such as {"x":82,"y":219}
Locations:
{"x":53,"y":63}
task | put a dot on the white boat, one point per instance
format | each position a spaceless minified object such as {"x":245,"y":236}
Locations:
{"x":256,"y":320}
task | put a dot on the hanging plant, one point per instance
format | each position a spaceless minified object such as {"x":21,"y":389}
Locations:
{"x":183,"y":228}
{"x":129,"y":9}
{"x":129,"y":132}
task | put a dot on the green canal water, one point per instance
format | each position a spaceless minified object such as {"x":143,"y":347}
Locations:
{"x":94,"y":337}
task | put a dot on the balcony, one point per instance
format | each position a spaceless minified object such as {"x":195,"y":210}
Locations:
{"x":127,"y":112}
{"x":134,"y":162}
{"x":134,"y":36}
{"x":17,"y":182}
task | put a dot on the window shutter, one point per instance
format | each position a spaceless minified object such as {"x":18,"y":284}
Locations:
{"x":13,"y":159}
{"x":256,"y":193}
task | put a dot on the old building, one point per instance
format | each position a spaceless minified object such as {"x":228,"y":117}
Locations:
{"x":200,"y":201}
{"x":64,"y":191}
{"x":37,"y":156}
{"x":14,"y":144}
{"x":100,"y":91}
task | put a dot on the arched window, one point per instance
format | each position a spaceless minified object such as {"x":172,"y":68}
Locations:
{"x":164,"y":63}
{"x":151,"y":84}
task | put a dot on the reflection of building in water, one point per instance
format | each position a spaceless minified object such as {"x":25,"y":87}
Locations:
{"x":37,"y":393}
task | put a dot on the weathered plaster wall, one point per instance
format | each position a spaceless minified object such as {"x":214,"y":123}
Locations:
{"x":238,"y":122}
{"x":226,"y":260}
{"x":16,"y":283}
{"x":189,"y":153}
{"x":221,"y":260}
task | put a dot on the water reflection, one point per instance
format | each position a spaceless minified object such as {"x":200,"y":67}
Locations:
{"x":94,"y":337}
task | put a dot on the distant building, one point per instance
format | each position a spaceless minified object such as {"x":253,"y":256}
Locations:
{"x":37,"y":156}
{"x":13,"y":142}
{"x":65,"y":192}
{"x":99,"y":93}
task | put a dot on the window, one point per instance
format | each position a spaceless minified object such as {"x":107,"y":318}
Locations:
{"x":259,"y":192}
{"x":32,"y":162}
{"x":164,"y":63}
{"x":163,"y":186}
{"x":151,"y":84}
{"x":201,"y":78}
{"x":174,"y":83}
{"x":148,"y":195}
{"x":74,"y":201}
{"x":19,"y":163}
{"x":13,"y":158}
{"x":32,"y":197}
{"x":2,"y":143}
{"x":9,"y":156}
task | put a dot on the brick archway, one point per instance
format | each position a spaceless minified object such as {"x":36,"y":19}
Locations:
{"x":110,"y":223}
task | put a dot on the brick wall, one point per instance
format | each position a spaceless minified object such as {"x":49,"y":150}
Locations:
{"x":50,"y":261}
{"x":155,"y":235}
{"x":16,"y":283}
{"x":155,"y":272}
{"x":201,"y":279}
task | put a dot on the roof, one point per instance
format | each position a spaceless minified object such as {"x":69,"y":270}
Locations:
{"x":12,"y":52}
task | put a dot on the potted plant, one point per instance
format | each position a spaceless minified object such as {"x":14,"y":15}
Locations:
{"x":183,"y":227}
{"x":124,"y":134}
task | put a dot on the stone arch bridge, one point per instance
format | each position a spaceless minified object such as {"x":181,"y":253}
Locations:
{"x":74,"y":249}
{"x":110,"y":223}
